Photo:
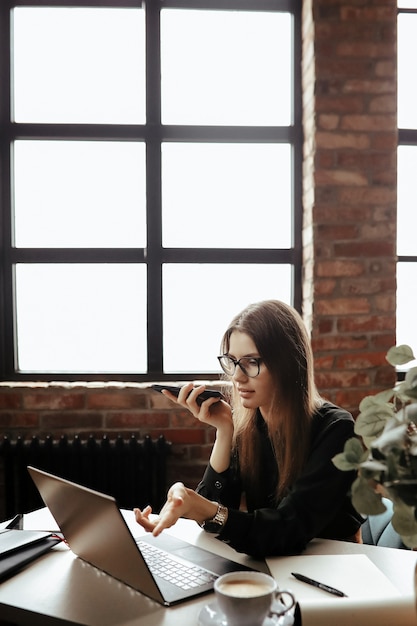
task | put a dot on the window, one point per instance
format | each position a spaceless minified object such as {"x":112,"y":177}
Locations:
{"x":407,"y":167}
{"x":151,"y":181}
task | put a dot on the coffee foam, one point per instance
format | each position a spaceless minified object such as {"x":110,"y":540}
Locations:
{"x":244,"y":588}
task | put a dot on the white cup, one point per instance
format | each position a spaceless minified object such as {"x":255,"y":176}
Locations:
{"x":246,"y":598}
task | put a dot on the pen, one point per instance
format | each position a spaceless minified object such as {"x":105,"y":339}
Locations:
{"x":315,"y":583}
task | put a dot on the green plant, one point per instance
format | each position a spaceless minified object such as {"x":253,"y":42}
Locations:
{"x":386,"y":459}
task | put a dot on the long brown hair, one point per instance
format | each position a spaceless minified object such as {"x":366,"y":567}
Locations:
{"x":281,"y":339}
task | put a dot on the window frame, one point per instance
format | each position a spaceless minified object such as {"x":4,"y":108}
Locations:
{"x":153,"y":133}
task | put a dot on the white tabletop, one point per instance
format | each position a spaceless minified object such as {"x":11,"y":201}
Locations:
{"x":61,"y":588}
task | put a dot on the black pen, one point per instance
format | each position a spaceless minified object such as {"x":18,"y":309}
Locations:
{"x":315,"y":583}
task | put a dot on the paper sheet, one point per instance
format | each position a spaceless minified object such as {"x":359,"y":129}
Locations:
{"x":372,"y":599}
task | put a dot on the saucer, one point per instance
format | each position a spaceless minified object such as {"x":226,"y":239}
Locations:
{"x":210,"y":615}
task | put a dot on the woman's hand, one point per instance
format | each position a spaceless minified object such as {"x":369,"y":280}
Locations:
{"x":216,"y":413}
{"x":181,"y":502}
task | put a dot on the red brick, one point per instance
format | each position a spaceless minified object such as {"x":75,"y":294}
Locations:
{"x":365,"y":249}
{"x":378,"y":231}
{"x":341,"y":104}
{"x":187,"y":435}
{"x":370,"y":123}
{"x":384,"y":140}
{"x":323,"y":362}
{"x":339,"y":306}
{"x":137,"y":419}
{"x":54,"y":400}
{"x":19,"y":420}
{"x":365,"y":286}
{"x":370,"y":86}
{"x":185,"y":419}
{"x":350,"y":399}
{"x":367,"y":14}
{"x":365,"y":49}
{"x":386,"y":303}
{"x":340,"y":379}
{"x":10,"y":400}
{"x":335,"y":140}
{"x":328,"y":121}
{"x":325,"y":287}
{"x":341,"y":343}
{"x":201,"y":453}
{"x":362,"y":360}
{"x":383,"y":104}
{"x":338,"y":268}
{"x":365,"y":323}
{"x":337,"y":231}
{"x":383,"y":341}
{"x":86,"y":419}
{"x":117,"y":399}
{"x":325,"y":326}
{"x":386,"y":377}
{"x":325,"y":213}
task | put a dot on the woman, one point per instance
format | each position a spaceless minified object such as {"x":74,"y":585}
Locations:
{"x":270,"y":486}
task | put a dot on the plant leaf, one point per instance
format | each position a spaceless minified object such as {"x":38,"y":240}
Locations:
{"x":370,"y":423}
{"x":365,"y":499}
{"x":375,"y":401}
{"x":410,"y":383}
{"x":403,"y":520}
{"x":391,"y":439}
{"x":373,"y":467}
{"x":399,"y":355}
{"x":352,"y":456}
{"x":410,"y":541}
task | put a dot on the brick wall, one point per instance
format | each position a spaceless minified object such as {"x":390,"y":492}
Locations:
{"x":113,"y":408}
{"x":349,"y":196}
{"x":349,"y":82}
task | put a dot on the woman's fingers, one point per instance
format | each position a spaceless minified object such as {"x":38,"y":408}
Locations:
{"x":142,"y":518}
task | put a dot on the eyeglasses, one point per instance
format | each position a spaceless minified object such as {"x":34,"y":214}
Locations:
{"x":250,"y":365}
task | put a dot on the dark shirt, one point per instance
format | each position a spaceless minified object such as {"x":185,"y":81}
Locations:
{"x":317,"y":505}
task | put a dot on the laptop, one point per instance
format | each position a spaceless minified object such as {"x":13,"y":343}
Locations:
{"x":163,"y":568}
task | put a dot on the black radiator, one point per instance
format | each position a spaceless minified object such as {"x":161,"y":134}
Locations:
{"x":131,"y":470}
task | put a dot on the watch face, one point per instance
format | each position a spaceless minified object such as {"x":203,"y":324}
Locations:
{"x":212,"y":527}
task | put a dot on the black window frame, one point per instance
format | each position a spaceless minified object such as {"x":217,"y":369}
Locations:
{"x":153,"y":133}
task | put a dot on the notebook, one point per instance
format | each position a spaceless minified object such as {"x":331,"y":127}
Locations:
{"x":96,"y":531}
{"x":20,"y":547}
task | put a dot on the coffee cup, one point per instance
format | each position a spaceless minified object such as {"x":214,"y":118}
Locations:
{"x":247,"y":598}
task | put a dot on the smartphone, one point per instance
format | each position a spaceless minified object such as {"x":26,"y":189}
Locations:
{"x":204,"y":395}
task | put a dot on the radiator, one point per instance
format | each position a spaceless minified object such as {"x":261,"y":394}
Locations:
{"x":131,"y":470}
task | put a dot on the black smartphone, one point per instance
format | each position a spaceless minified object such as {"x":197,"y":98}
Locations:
{"x":204,"y":395}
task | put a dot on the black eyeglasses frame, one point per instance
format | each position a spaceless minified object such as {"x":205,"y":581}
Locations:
{"x":236,"y":362}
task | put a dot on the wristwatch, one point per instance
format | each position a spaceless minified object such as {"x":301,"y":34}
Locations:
{"x":215,"y":524}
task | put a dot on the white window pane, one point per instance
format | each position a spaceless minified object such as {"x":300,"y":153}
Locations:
{"x":79,"y":65}
{"x":406,"y":200}
{"x":226,"y":67}
{"x":79,"y":194}
{"x":193,"y":327}
{"x":407,"y":4}
{"x":407,"y":304}
{"x":407,"y":53}
{"x":226,"y":195}
{"x":81,"y":318}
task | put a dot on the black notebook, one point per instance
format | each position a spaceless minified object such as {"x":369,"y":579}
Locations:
{"x":20,"y":547}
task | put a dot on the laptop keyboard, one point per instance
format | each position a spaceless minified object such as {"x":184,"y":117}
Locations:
{"x":174,"y":570}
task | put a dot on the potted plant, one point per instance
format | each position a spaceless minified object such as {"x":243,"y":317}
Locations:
{"x":386,"y":459}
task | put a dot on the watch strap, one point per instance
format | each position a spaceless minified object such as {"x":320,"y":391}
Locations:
{"x":215,"y":524}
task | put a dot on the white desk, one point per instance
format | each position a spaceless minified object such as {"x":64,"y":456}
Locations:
{"x":61,"y":589}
